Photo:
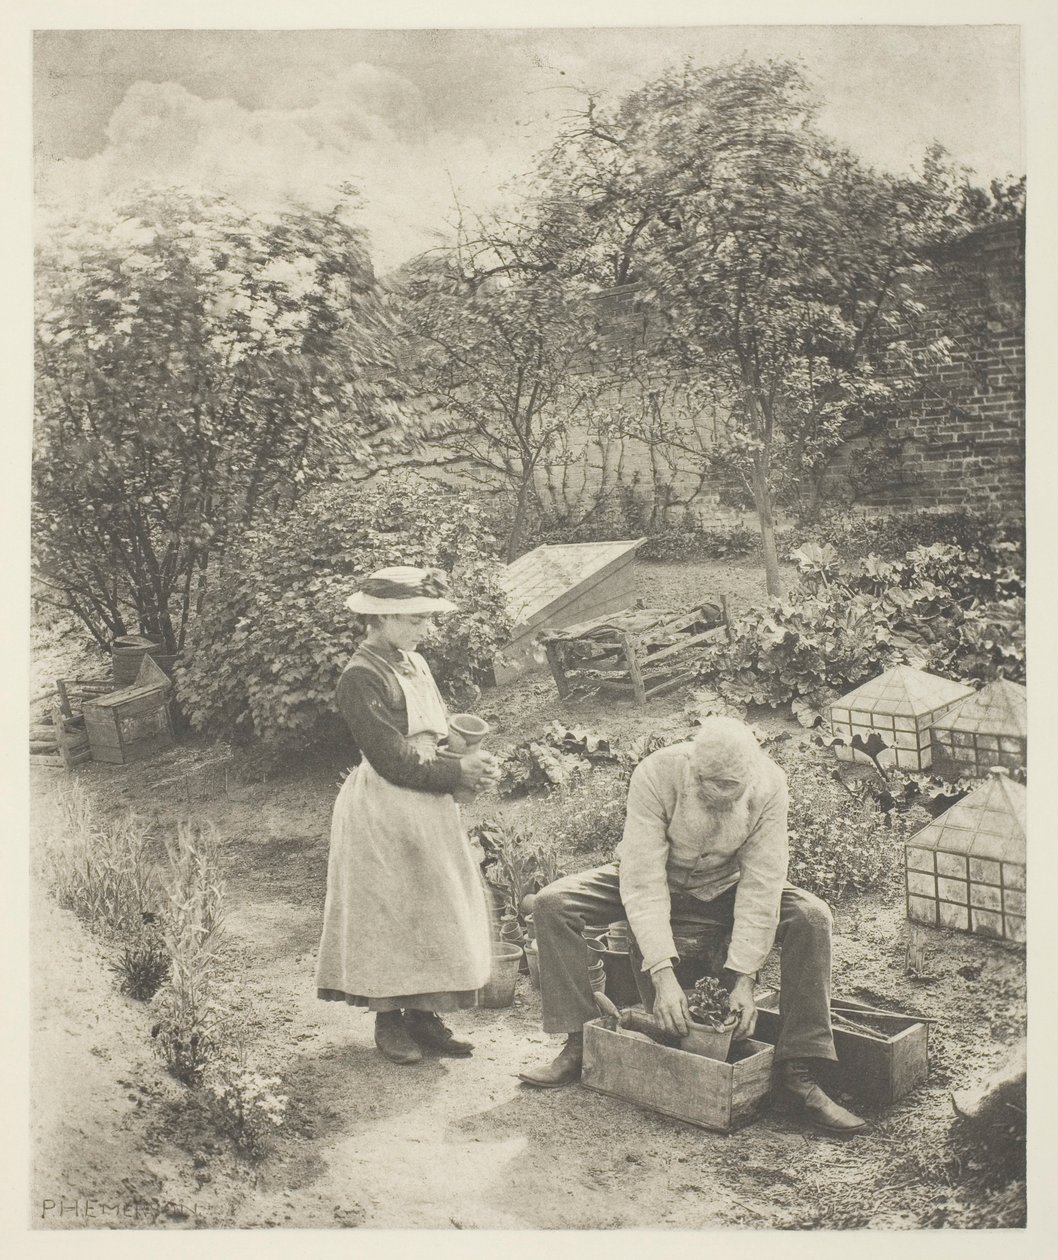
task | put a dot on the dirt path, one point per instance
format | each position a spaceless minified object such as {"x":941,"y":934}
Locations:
{"x":454,"y":1144}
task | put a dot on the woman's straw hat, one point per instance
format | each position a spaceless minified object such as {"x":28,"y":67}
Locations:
{"x":402,"y":591}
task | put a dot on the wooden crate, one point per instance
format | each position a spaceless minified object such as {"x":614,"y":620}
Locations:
{"x":59,"y":742}
{"x":876,"y":1071}
{"x":704,"y":1092}
{"x":639,"y":654}
{"x":134,"y":723}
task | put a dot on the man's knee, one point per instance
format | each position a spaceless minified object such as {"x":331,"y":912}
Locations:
{"x":811,"y":911}
{"x":555,"y":901}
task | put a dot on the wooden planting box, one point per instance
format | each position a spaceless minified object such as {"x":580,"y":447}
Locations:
{"x":712,"y":1095}
{"x":638,"y":654}
{"x":134,"y":723}
{"x":877,"y":1070}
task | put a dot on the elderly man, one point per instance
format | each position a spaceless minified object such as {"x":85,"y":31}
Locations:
{"x":704,"y":845}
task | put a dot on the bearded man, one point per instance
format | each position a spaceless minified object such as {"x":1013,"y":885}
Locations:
{"x":704,"y":846}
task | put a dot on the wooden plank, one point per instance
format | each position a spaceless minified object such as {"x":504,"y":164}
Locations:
{"x":664,"y":688}
{"x":682,"y":646}
{"x":909,"y":1063}
{"x":558,"y":670}
{"x":130,"y":702}
{"x":638,"y":686}
{"x":64,"y":698}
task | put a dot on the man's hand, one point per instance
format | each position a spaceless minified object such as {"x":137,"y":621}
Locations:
{"x":670,"y":1003}
{"x":744,"y":1007}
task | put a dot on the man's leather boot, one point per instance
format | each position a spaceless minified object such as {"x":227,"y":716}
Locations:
{"x":430,"y":1032}
{"x":795,"y":1078}
{"x":393,"y":1040}
{"x":563,"y":1070}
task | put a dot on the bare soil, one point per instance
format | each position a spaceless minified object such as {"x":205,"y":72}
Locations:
{"x":452,"y":1143}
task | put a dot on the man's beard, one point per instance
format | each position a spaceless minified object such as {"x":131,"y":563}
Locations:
{"x":726,"y":821}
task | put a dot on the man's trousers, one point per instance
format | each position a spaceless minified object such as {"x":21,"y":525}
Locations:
{"x":566,"y":907}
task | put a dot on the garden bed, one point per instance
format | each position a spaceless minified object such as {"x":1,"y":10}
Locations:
{"x":452,"y":1144}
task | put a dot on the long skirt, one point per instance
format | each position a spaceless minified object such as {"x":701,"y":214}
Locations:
{"x":405,"y":922}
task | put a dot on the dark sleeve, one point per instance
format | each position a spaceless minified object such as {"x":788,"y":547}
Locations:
{"x":375,"y":722}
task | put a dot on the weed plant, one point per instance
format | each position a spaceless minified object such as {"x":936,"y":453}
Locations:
{"x":143,"y":964}
{"x":840,"y":842}
{"x":187,"y":1032}
{"x":101,"y":871}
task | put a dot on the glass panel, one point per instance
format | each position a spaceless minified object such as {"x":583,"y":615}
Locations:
{"x":921,"y":884}
{"x":922,"y":910}
{"x":986,"y":897}
{"x":953,"y":889}
{"x":985,"y":923}
{"x":953,"y":916}
{"x":952,"y":864}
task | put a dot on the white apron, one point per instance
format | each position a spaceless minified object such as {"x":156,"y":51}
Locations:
{"x":405,"y":911}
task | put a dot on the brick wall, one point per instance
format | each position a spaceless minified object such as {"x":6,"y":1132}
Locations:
{"x":958,"y":440}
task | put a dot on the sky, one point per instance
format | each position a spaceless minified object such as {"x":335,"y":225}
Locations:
{"x":420,"y":118}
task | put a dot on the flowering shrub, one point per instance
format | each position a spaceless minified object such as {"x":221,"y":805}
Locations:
{"x":194,"y":363}
{"x":265,"y":656}
{"x":246,"y":1104}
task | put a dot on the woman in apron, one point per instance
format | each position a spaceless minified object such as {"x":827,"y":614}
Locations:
{"x":405,"y":925}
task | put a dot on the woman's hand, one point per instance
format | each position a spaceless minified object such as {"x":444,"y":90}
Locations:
{"x":478,"y":769}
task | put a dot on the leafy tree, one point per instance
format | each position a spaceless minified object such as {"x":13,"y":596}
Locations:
{"x":197,"y":368}
{"x":501,"y":348}
{"x":772,"y":259}
{"x":264,"y":658}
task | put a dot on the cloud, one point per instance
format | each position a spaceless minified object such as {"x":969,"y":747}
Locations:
{"x":367,"y":126}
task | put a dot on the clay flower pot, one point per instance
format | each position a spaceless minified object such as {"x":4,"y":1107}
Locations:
{"x":710,"y":1042}
{"x":465,"y":732}
{"x":532,"y":957}
{"x":499,"y":991}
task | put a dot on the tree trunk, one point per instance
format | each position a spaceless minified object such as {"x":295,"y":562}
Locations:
{"x":514,"y":539}
{"x":766,"y":517}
